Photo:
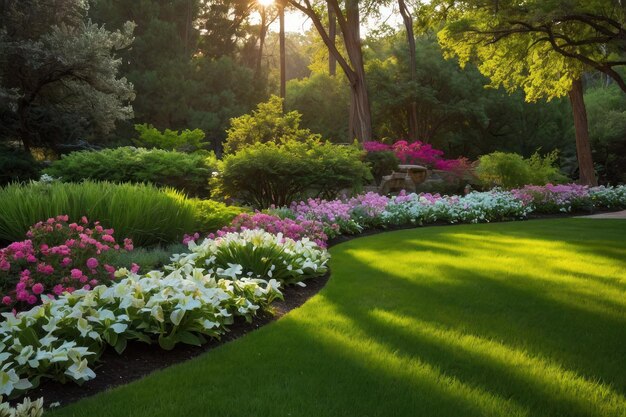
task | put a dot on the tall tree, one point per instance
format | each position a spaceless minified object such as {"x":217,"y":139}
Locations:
{"x":410,"y":36}
{"x":62,"y":73}
{"x":543,"y":47}
{"x":348,"y":20}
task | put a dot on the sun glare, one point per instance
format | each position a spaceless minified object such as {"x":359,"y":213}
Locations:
{"x":266,"y":3}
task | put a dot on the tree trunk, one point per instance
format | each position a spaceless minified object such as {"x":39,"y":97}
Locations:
{"x":283,"y":76}
{"x":583,"y":146}
{"x":408,"y":25}
{"x":354,"y":70}
{"x":362,"y":117}
{"x":332,"y":34}
{"x":262,"y":35}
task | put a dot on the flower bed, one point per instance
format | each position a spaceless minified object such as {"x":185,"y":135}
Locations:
{"x":197,"y":296}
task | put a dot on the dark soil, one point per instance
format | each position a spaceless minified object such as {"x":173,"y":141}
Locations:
{"x":140,"y":359}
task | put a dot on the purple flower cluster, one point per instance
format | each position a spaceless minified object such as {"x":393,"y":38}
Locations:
{"x":550,"y":198}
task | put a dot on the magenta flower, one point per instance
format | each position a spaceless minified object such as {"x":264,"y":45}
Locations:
{"x":92,"y":263}
{"x":38,"y":288}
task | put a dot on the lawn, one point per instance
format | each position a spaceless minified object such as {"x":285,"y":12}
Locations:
{"x":509,"y":319}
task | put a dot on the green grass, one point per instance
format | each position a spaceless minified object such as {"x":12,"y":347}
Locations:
{"x":510,"y":319}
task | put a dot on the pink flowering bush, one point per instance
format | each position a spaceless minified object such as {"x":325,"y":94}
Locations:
{"x":58,"y":256}
{"x":366,"y":209}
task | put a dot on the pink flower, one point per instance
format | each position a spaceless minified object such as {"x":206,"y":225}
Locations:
{"x":92,"y":263}
{"x":76,"y":273}
{"x":38,"y":288}
{"x":6,"y":300}
{"x":128,"y":244}
{"x":31,"y":299}
{"x":58,"y":289}
{"x":66,"y":261}
{"x":134,"y":268}
{"x":84,"y":220}
{"x":108,"y":238}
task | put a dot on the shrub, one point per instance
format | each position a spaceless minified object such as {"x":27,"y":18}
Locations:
{"x":184,"y":141}
{"x":186,"y":172}
{"x":16,"y":165}
{"x":213,"y":215}
{"x":268,"y":123}
{"x":58,"y":256}
{"x":144,"y":213}
{"x":511,"y":170}
{"x":382,"y":163}
{"x":270,"y":174}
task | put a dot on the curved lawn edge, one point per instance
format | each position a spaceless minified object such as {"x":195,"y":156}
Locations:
{"x":114,"y":370}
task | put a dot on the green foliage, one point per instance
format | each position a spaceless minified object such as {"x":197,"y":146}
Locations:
{"x":185,"y":80}
{"x":62,"y":72}
{"x":455,"y":111}
{"x":270,"y":173}
{"x":510,"y":170}
{"x":266,"y":124}
{"x":382,"y":163}
{"x":213,"y":215}
{"x":16,"y":165}
{"x":148,"y":259}
{"x":606,"y":109}
{"x":184,"y":141}
{"x":323,"y":102}
{"x":186,"y":172}
{"x":146,"y":214}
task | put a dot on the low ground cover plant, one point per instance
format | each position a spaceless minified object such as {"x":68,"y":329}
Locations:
{"x":58,"y":256}
{"x":511,"y":170}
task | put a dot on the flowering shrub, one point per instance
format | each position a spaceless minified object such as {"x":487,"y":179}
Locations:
{"x":366,"y":209}
{"x":422,"y":154}
{"x":61,"y":338}
{"x":58,"y":256}
{"x":608,"y":197}
{"x":255,"y":254}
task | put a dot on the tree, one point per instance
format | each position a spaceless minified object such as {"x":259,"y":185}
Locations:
{"x":59,"y":73}
{"x":408,"y":26}
{"x":348,"y":20}
{"x":543,"y":47}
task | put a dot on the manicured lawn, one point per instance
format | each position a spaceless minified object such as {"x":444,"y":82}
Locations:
{"x":510,"y":319}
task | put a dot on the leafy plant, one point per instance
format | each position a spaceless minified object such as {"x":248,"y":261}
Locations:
{"x":185,"y":140}
{"x":271,"y":174}
{"x":16,"y":165}
{"x":510,"y":170}
{"x":267,"y":123}
{"x":146,"y":214}
{"x":212,"y":215}
{"x":185,"y":172}
{"x":382,"y":163}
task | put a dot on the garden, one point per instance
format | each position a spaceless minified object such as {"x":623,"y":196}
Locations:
{"x":193,"y":233}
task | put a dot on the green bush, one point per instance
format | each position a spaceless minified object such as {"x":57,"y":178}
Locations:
{"x":186,"y":172}
{"x":382,"y":163}
{"x":270,"y":173}
{"x":267,"y":123}
{"x":17,"y":165}
{"x":511,"y":170}
{"x":146,"y":214}
{"x":184,"y":141}
{"x":213,"y":215}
